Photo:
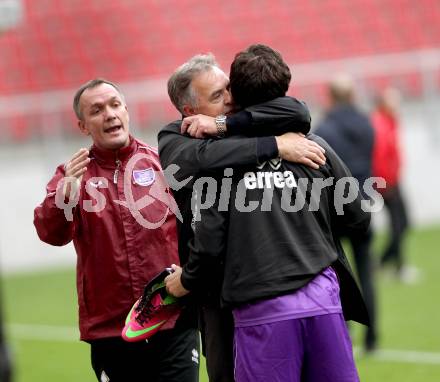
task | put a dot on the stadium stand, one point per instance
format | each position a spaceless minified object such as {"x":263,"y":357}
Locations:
{"x":62,"y":43}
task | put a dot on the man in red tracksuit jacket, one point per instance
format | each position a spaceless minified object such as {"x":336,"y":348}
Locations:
{"x":123,"y":237}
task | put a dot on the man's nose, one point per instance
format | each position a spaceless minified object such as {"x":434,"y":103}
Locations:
{"x":228,"y":97}
{"x":109,"y":113}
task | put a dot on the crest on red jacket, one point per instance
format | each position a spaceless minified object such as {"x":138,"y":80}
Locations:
{"x":144,"y":177}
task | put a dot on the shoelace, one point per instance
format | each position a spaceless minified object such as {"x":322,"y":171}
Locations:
{"x":146,"y":312}
{"x":145,"y":308}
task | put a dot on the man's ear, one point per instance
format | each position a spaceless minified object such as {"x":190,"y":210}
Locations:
{"x":82,"y":127}
{"x":188,"y":110}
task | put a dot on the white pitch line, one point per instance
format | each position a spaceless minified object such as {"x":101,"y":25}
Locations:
{"x":403,"y":356}
{"x":43,"y":332}
{"x":71,"y":334}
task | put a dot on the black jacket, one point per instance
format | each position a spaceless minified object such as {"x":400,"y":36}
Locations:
{"x":271,"y":250}
{"x":350,"y":134}
{"x":202,"y":156}
{"x":196,"y":157}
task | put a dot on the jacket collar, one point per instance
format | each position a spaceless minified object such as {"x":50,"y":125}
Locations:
{"x":110,"y":156}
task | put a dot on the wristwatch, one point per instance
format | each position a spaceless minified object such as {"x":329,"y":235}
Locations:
{"x":220,"y":122}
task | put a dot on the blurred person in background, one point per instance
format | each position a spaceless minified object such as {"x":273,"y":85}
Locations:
{"x":387,"y":164}
{"x":200,"y":86}
{"x":282,"y":269}
{"x":86,"y":202}
{"x":350,"y":133}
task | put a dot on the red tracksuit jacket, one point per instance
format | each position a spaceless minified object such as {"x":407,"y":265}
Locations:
{"x":386,"y":151}
{"x":120,"y":245}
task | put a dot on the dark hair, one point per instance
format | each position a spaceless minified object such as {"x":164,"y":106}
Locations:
{"x":258,"y":74}
{"x":89,"y":85}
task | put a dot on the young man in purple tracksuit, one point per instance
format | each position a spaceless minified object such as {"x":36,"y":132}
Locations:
{"x":200,"y":86}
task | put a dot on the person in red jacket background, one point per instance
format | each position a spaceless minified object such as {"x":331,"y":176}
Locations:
{"x":387,"y":164}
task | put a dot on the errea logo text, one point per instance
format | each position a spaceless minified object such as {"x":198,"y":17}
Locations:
{"x":268,"y":179}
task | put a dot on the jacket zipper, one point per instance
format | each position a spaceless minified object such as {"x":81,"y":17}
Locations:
{"x":116,"y":173}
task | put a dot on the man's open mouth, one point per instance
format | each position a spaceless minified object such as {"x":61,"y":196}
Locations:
{"x":112,"y":129}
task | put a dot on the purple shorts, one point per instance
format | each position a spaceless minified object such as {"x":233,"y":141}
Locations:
{"x":310,"y":349}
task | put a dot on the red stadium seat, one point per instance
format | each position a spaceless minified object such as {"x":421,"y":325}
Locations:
{"x":63,"y":43}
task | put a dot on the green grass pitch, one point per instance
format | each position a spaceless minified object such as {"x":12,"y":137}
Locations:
{"x":409,"y":317}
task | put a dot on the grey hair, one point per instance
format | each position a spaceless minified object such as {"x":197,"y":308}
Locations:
{"x":180,"y":90}
{"x":89,"y":85}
